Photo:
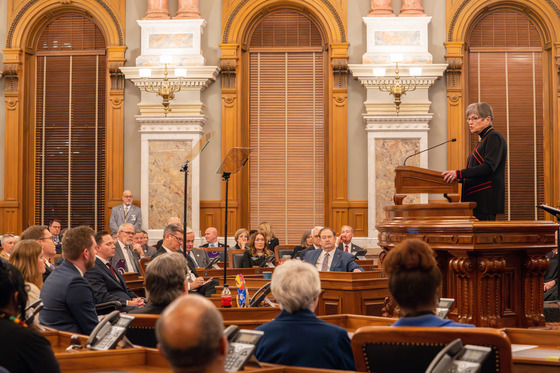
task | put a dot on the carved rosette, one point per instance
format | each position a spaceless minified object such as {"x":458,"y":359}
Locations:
{"x":534,"y":269}
{"x":454,"y":69}
{"x":340,"y":72}
{"x":229,"y":73}
{"x":462,"y":269}
{"x":490,"y":293}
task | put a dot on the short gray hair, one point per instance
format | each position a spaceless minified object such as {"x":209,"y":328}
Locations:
{"x":347,"y":226}
{"x":121,"y":227}
{"x":482,"y":109}
{"x":5,"y":237}
{"x":165,"y":278}
{"x":295,"y":284}
{"x":171,"y":229}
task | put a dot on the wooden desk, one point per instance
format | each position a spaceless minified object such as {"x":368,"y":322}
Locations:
{"x":135,"y":283}
{"x":534,"y":360}
{"x":353,"y":322}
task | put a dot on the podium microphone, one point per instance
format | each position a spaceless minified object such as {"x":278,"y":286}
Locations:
{"x":425,"y":150}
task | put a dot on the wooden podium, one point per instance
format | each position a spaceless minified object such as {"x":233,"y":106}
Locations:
{"x":493,"y":270}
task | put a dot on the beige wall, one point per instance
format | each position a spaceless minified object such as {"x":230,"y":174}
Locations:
{"x":211,"y":11}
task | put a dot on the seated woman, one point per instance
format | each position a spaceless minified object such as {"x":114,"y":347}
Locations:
{"x":266,"y":230}
{"x":27,"y":256}
{"x":288,"y":338}
{"x":306,"y":241}
{"x":414,"y":283}
{"x":257,"y":253}
{"x":241,"y":237}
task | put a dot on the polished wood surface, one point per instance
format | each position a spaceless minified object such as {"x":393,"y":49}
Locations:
{"x":411,"y":179}
{"x":354,"y":322}
{"x":493,"y":270}
{"x":544,"y":358}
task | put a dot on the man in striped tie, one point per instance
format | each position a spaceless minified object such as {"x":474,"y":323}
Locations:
{"x":329,"y":259}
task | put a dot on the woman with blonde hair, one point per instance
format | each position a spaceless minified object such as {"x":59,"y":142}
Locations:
{"x":257,"y":252}
{"x":268,"y":233}
{"x":241,"y":237}
{"x":27,"y":256}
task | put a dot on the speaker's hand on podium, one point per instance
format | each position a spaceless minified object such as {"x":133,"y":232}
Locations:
{"x":449,"y":176}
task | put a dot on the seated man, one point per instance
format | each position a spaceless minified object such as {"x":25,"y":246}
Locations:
{"x":67,"y":296}
{"x":316,"y":245}
{"x":8,"y":243}
{"x":22,"y":348}
{"x":330,"y":259}
{"x":166,"y":280}
{"x":551,"y":276}
{"x":107,"y":283}
{"x":296,"y":286}
{"x":141,"y":238}
{"x":127,"y":254}
{"x":191,"y":336}
{"x":345,"y":240}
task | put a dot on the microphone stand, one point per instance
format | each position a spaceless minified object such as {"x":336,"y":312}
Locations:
{"x":425,"y":150}
{"x":556,"y":213}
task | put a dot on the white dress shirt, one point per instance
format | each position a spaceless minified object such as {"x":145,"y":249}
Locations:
{"x":321,"y":258}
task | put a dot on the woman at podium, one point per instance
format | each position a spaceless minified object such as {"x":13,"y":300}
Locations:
{"x":484,"y":178}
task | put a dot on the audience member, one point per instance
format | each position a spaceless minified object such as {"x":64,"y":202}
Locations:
{"x":23,"y":349}
{"x":66,"y":294}
{"x":211,"y":236}
{"x":241,"y":237}
{"x":316,"y":242}
{"x":414,"y":283}
{"x":27,"y":257}
{"x":199,"y":257}
{"x":257,"y":253}
{"x":42,"y":234}
{"x":172,"y":240}
{"x":141,"y":239}
{"x":306,"y":241}
{"x":54,"y":228}
{"x":296,"y":287}
{"x":345,"y":240}
{"x":126,"y":213}
{"x":190,"y":336}
{"x":271,"y":240}
{"x":197,"y":283}
{"x":127,"y":254}
{"x":551,"y":276}
{"x":172,"y":220}
{"x":330,"y":259}
{"x":166,"y":279}
{"x":8,"y":241}
{"x":106,"y":282}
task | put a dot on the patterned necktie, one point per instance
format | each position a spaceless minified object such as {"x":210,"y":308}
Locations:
{"x":347,"y":249}
{"x":325,"y":265}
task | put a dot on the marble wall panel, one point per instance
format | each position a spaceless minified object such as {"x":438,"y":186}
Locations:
{"x":166,"y":182}
{"x":389,"y":153}
{"x":170,"y":40}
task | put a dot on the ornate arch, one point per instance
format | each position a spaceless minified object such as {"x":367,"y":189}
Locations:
{"x":239,"y":18}
{"x":26,"y":20}
{"x":461,"y":17}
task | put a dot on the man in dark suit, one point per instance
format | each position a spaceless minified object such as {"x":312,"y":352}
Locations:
{"x":127,"y":255}
{"x":141,"y":238}
{"x":329,"y":259}
{"x":172,"y":220}
{"x":126,"y":213}
{"x":211,"y":236}
{"x":199,"y":257}
{"x":345,"y":240}
{"x":67,"y":296}
{"x":42,"y":234}
{"x":316,"y":243}
{"x":54,"y":228}
{"x":107,"y":283}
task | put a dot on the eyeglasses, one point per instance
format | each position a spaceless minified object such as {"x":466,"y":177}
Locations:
{"x":177,"y":238}
{"x":125,"y":196}
{"x":47,"y":238}
{"x":472,"y":119}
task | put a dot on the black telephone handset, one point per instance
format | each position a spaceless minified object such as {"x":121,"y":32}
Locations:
{"x":212,"y":262}
{"x":457,"y":358}
{"x":32,"y":310}
{"x":259,"y":296}
{"x":241,"y":345}
{"x":268,"y":262}
{"x":109,"y":331}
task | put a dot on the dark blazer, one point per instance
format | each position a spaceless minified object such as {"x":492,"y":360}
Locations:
{"x":273,"y":243}
{"x":25,"y":349}
{"x":249,"y":261}
{"x":69,"y":301}
{"x":148,"y":309}
{"x":48,"y":271}
{"x":342,"y":261}
{"x":301,"y":253}
{"x":287,"y":337}
{"x":219,"y":244}
{"x":120,"y":255}
{"x":353,"y":248}
{"x":106,"y":287}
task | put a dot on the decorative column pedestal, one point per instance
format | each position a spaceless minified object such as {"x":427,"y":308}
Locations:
{"x":166,"y":140}
{"x":393,"y":136}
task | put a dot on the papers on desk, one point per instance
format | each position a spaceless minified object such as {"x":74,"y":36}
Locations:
{"x":516,"y":347}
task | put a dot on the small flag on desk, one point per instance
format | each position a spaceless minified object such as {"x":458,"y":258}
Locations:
{"x":241,"y":290}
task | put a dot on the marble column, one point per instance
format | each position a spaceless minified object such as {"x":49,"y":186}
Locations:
{"x":381,"y":8}
{"x":157,"y":9}
{"x":188,"y":9}
{"x":412,"y":8}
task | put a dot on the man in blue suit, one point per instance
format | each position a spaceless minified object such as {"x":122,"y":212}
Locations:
{"x":66,"y":294}
{"x":107,"y":283}
{"x":330,"y":259}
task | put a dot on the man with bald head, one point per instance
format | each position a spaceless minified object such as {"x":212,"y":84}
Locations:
{"x":126,"y":213}
{"x":190,"y":335}
{"x":211,"y":236}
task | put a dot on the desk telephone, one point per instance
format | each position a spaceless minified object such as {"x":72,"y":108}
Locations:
{"x":242,"y":344}
{"x":444,"y":304}
{"x":458,"y":359}
{"x":213,"y":263}
{"x":109,"y":331}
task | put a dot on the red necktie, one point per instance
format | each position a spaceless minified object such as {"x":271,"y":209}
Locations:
{"x":347,"y":249}
{"x":112,"y":270}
